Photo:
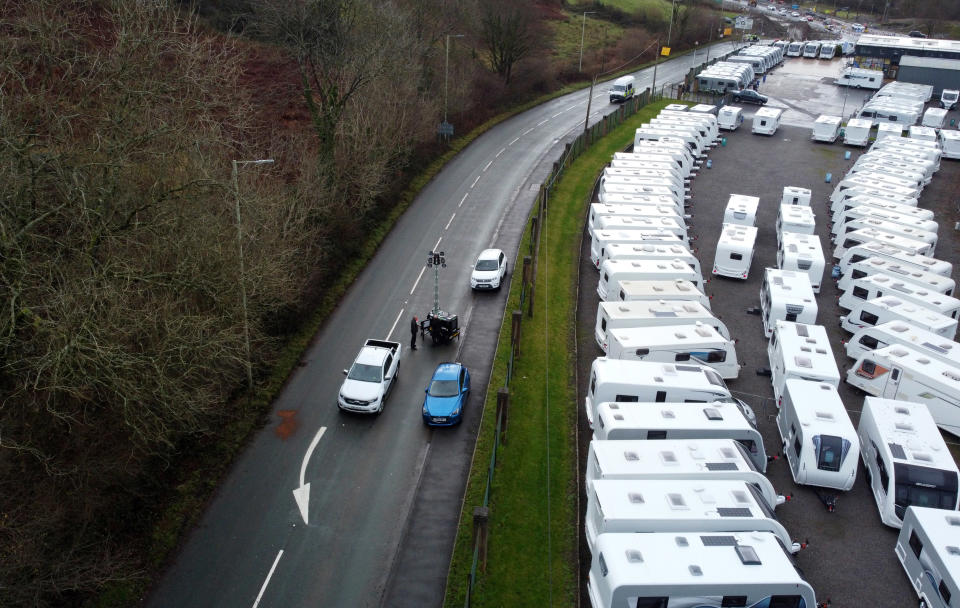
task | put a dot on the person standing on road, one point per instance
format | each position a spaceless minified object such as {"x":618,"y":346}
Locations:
{"x":414,"y":327}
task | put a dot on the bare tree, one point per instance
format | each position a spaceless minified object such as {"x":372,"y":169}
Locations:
{"x":507,"y":33}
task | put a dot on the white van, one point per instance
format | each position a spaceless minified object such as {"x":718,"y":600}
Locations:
{"x":620,"y":380}
{"x":908,"y":274}
{"x":644,"y":224}
{"x":795,"y":195}
{"x":906,"y":258}
{"x":860,"y":78}
{"x":741,"y":209}
{"x":922,"y":133}
{"x":934,"y":118}
{"x":889,"y":129}
{"x":622,"y":89}
{"x":901,"y":332}
{"x":894,"y":226}
{"x":801,"y":352}
{"x":857,"y":132}
{"x":866,"y":235}
{"x":802,"y":253}
{"x":730,"y":118}
{"x":795,"y":218}
{"x":610,"y":209}
{"x":880,"y":284}
{"x":906,"y":459}
{"x":788,"y":296}
{"x":643,"y":313}
{"x":673,"y":420}
{"x":826,"y":128}
{"x":675,"y":505}
{"x":926,"y":547}
{"x":677,"y":290}
{"x":900,"y":372}
{"x":891,"y":308}
{"x":641,"y":251}
{"x":734,"y":251}
{"x":668,"y":569}
{"x":698,"y":343}
{"x":766,"y":121}
{"x":818,"y":439}
{"x":600,"y":239}
{"x":950,"y":140}
{"x":614,"y":271}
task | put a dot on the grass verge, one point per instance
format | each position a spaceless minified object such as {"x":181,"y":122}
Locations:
{"x":532,"y":556}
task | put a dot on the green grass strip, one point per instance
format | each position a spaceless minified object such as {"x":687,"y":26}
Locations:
{"x":520,"y":571}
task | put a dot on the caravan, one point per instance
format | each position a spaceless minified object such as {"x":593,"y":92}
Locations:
{"x":869,"y":180}
{"x":912,"y":175}
{"x":889,"y":129}
{"x":637,"y":184}
{"x":906,"y":459}
{"x":857,"y":132}
{"x":797,"y":351}
{"x":872,"y":235}
{"x":641,"y":313}
{"x":802,"y":253}
{"x":795,"y":218}
{"x":894,"y":254}
{"x":729,"y":118}
{"x":826,"y":128}
{"x":613,"y":190}
{"x":600,"y":239}
{"x":927,"y":549}
{"x":840,"y":200}
{"x":872,"y":202}
{"x":788,"y":296}
{"x":795,"y":195}
{"x":794,"y":49}
{"x":614,"y":271}
{"x":650,"y":382}
{"x":880,"y":284}
{"x":902,"y":373}
{"x":950,"y":140}
{"x":894,"y":226}
{"x":890,"y":333}
{"x":934,"y":118}
{"x":811,"y":49}
{"x":818,"y":439}
{"x":860,"y":78}
{"x":734,"y":251}
{"x":677,"y":459}
{"x":674,"y":505}
{"x":659,"y":162}
{"x":766,"y":120}
{"x":644,"y":224}
{"x":652,"y":291}
{"x":668,"y":569}
{"x":697,"y":343}
{"x":694,"y":421}
{"x":741,"y":209}
{"x":908,"y":274}
{"x":634,"y":251}
{"x":679,"y":157}
{"x":913,"y":217}
{"x":609,"y":209}
{"x":922,"y":133}
{"x":891,"y":308}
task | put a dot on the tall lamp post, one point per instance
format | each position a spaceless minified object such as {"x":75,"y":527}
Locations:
{"x":583,"y":30}
{"x":243,"y":283}
{"x":673,"y":9}
{"x":446,"y":73}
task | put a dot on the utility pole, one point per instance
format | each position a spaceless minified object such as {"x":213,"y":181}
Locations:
{"x":583,"y":30}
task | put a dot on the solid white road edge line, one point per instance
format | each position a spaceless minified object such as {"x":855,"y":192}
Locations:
{"x":266,"y":582}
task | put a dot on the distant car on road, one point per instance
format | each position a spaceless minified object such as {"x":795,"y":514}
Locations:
{"x":916,"y":34}
{"x":446,"y":395}
{"x":795,"y":14}
{"x":490,"y":269}
{"x":748,"y":96}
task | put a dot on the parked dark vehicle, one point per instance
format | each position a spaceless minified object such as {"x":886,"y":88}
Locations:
{"x":748,"y":96}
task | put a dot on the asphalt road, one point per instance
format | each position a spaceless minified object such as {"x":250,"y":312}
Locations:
{"x":385,"y":491}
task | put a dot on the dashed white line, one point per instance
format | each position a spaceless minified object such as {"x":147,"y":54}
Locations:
{"x":542,"y":121}
{"x":437,"y":246}
{"x":574,"y":106}
{"x":487,"y":167}
{"x":557,"y":114}
{"x":474,"y":182}
{"x":450,"y":222}
{"x":400,"y":314}
{"x":463,"y":199}
{"x":415,"y":283}
{"x":514,"y":141}
{"x":266,"y":582}
{"x":502,"y":150}
{"x":527,"y":131}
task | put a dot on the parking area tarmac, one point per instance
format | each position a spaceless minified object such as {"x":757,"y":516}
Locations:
{"x":850,"y":558}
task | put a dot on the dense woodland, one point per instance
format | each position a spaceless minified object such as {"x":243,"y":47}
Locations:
{"x":122,"y":348}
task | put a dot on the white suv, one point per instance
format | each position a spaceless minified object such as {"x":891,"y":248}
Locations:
{"x":490,"y":270}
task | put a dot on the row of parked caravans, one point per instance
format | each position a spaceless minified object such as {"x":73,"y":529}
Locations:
{"x":814,"y":49}
{"x":725,"y":76}
{"x":656,"y":511}
{"x":761,"y":58}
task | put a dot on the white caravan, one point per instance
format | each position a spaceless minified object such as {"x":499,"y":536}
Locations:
{"x":650,"y":382}
{"x":910,"y":174}
{"x":909,"y":90}
{"x":644,"y":224}
{"x":901,"y":160}
{"x":677,"y":290}
{"x":766,"y":121}
{"x":614,"y":271}
{"x":895,"y":254}
{"x":795,"y":195}
{"x":906,"y":145}
{"x":630,"y":505}
{"x":729,"y":118}
{"x":671,"y":146}
{"x":600,"y":239}
{"x":629,"y":198}
{"x":794,"y":49}
{"x":798,"y":351}
{"x":950,"y":140}
{"x":890,"y":333}
{"x":677,"y":459}
{"x":651,"y":175}
{"x":902,"y":373}
{"x":648,"y":420}
{"x":734,"y":251}
{"x":698,"y":343}
{"x":868,"y":235}
{"x":906,"y":273}
{"x":927,"y":549}
{"x":860,"y":78}
{"x":787,"y":296}
{"x":870,"y":179}
{"x":881,"y":112}
{"x":828,"y":50}
{"x":802,"y":253}
{"x":634,"y":251}
{"x":658,"y":162}
{"x":871,"y":203}
{"x":668,"y":569}
{"x":598,"y":210}
{"x":882,"y":193}
{"x":889,"y":129}
{"x":811,"y":49}
{"x":643,"y":313}
{"x":741,"y":209}
{"x":825,"y":128}
{"x":871,"y":313}
{"x":922,"y":133}
{"x":892,"y":226}
{"x":704,"y":119}
{"x":857,"y":132}
{"x":693,"y":142}
{"x":934,"y":118}
{"x":906,"y":459}
{"x":795,"y":218}
{"x":638,"y":187}
{"x":842,"y":221}
{"x":635,"y":184}
{"x":678,"y":156}
{"x":881,"y":284}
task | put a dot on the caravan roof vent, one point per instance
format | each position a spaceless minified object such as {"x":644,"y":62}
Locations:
{"x":734,"y":512}
{"x":901,"y":410}
{"x":821,"y":351}
{"x":668,"y":457}
{"x":618,"y":416}
{"x":802,"y":330}
{"x":802,"y":361}
{"x":943,"y":348}
{"x":899,"y":328}
{"x":703,"y":331}
{"x":623,"y":308}
{"x":635,"y":497}
{"x":668,"y":414}
{"x":953,"y":520}
{"x":747,"y":555}
{"x":676,"y":501}
{"x":806,"y":349}
{"x":690,"y":308}
{"x":953,"y":550}
{"x":719,"y":541}
{"x":682,"y":287}
{"x":679,"y":335}
{"x":740,"y":496}
{"x":728,"y":452}
{"x":712,"y":413}
{"x":952,"y":375}
{"x":898,"y":352}
{"x":922,"y":456}
{"x":923,"y":361}
{"x":631,"y":456}
{"x":634,"y":556}
{"x":824,"y":416}
{"x":695,"y":570}
{"x":906,"y":427}
{"x":897,"y":451}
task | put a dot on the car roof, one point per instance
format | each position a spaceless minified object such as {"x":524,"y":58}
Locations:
{"x":447,"y":371}
{"x":489,"y":254}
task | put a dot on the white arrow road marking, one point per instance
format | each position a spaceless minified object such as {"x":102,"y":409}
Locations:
{"x":266,"y":582}
{"x":302,"y":494}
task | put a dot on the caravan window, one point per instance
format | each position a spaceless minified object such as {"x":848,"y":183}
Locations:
{"x":627,"y":398}
{"x":603,"y":324}
{"x":733,"y":601}
{"x":656,"y":434}
{"x":792,"y":317}
{"x":716,"y":356}
{"x":857,"y":258}
{"x":652,"y":602}
{"x":642,"y":352}
{"x":831,"y":451}
{"x":915,"y":543}
{"x":870,"y":342}
{"x":750,"y":444}
{"x":682,"y":357}
{"x":944,"y":592}
{"x":923,"y":487}
{"x":797,"y":446}
{"x":736,"y":256}
{"x":869,"y":318}
{"x":785,"y":601}
{"x":860,"y":293}
{"x":593,"y":384}
{"x":882,"y":468}
{"x":714,"y":378}
{"x":661,"y":397}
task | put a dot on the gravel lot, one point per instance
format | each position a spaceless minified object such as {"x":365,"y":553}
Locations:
{"x":850,"y":558}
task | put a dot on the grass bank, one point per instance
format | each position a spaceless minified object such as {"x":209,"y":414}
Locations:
{"x":532,"y":557}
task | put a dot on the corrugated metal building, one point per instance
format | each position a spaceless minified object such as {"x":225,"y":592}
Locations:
{"x":941,"y":73}
{"x":885,"y":52}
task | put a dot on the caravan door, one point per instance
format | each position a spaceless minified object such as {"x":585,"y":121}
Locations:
{"x":892,"y":384}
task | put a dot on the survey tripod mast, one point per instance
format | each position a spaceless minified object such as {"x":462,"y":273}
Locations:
{"x":436,"y":260}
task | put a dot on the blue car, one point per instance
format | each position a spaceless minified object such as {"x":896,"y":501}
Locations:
{"x":446,"y":395}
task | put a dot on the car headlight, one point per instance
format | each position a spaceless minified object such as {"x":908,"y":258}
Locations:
{"x":455,"y":412}
{"x":425,"y":408}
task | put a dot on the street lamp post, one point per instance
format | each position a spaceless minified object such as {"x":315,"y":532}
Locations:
{"x":583,"y":30}
{"x":673,"y":9}
{"x":446,"y":72}
{"x":243,"y":284}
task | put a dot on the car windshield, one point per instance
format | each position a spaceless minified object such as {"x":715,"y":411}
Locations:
{"x":443,"y":388}
{"x":486,"y":264}
{"x":364,"y":372}
{"x":618,"y":87}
